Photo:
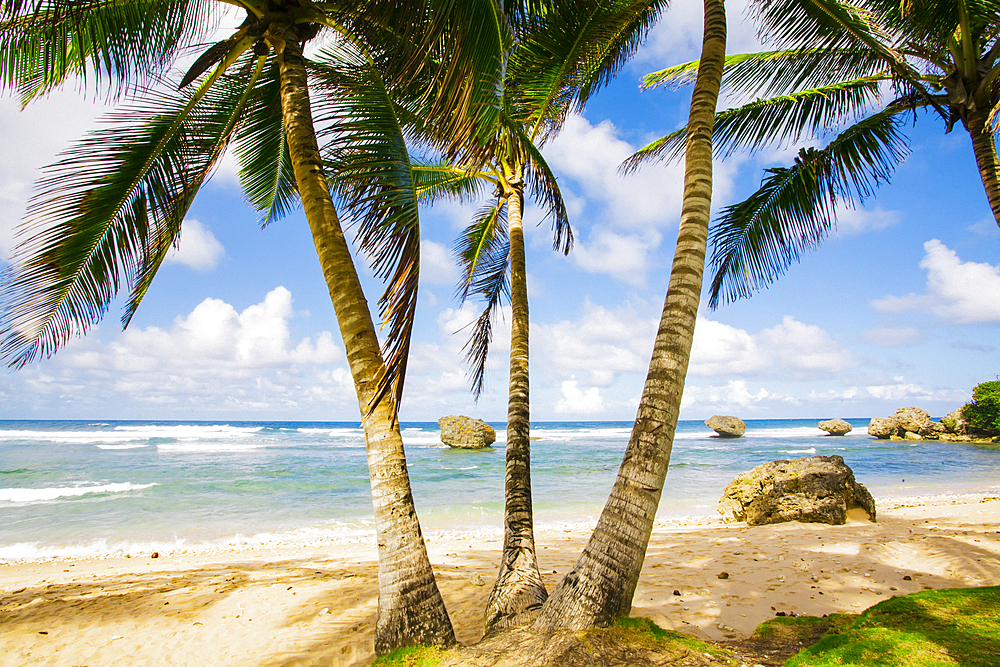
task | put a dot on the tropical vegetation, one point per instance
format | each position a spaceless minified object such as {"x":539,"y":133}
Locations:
{"x":855,"y":75}
{"x":559,"y":58}
{"x":982,"y":413}
{"x":107,"y":214}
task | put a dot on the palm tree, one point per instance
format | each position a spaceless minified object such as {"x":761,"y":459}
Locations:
{"x":942,"y":57}
{"x":111,"y":209}
{"x":601,"y":584}
{"x":560,"y":57}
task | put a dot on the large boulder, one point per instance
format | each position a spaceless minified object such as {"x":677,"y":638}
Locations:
{"x":835,"y":427}
{"x":912,"y":419}
{"x":727,"y":426}
{"x":466,"y":432}
{"x":883,"y":427}
{"x":818,"y":489}
{"x":953,"y":422}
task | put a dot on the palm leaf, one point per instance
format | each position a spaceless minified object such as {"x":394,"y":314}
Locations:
{"x":123,"y":44}
{"x":483,"y":252}
{"x":108,"y":212}
{"x":755,"y":241}
{"x":763,"y":123}
{"x":438,"y":179}
{"x":370,"y":173}
{"x":262,"y":152}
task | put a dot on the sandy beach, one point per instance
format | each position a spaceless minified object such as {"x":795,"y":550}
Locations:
{"x":316,"y":605}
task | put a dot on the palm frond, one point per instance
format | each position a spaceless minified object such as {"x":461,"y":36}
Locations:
{"x":755,"y":241}
{"x":438,"y":179}
{"x":483,"y":252}
{"x":262,"y":152}
{"x":764,"y":123}
{"x":122,"y":44}
{"x":571,"y":51}
{"x":107,"y":214}
{"x":772,"y":73}
{"x":544,"y":189}
{"x":371,"y":175}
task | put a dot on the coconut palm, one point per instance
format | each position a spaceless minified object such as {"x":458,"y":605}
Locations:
{"x":109,"y":211}
{"x":601,"y":584}
{"x":560,"y":57}
{"x":941,"y":57}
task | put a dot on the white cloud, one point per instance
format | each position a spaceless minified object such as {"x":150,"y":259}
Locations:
{"x":198,"y":248}
{"x":437,"y":266}
{"x":893,"y":336}
{"x":957,"y":292}
{"x":622,"y":256}
{"x":854,"y":221}
{"x":213,"y":360}
{"x":677,"y":37}
{"x":791,"y":348}
{"x":32,"y":139}
{"x":603,"y":343}
{"x":730,"y":397}
{"x":579,"y":402}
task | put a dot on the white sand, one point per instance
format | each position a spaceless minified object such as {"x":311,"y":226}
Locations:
{"x":316,"y":605}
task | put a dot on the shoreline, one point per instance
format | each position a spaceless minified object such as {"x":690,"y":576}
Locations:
{"x":361,"y":542}
{"x":299,"y":604}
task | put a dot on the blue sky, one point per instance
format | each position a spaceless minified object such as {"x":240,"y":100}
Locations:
{"x":900,"y":307}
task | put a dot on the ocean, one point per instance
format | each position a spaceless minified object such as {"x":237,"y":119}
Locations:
{"x":80,"y":489}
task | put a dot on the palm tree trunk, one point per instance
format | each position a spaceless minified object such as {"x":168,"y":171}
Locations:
{"x":600,"y":586}
{"x":518,"y":591}
{"x":984,"y":146}
{"x":410,"y":609}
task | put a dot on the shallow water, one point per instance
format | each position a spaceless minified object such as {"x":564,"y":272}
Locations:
{"x":84,"y":488}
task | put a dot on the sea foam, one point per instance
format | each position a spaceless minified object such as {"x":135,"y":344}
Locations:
{"x":38,"y":495}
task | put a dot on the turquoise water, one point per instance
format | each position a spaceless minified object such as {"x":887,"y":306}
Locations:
{"x":83,"y":488}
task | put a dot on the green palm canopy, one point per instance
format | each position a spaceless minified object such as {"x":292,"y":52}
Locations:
{"x":851,"y":76}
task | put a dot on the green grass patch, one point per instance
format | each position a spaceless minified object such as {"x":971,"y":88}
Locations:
{"x":642,"y":632}
{"x":957,"y":626}
{"x":411,"y":656}
{"x":788,"y":629}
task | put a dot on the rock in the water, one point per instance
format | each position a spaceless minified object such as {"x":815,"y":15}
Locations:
{"x":836,"y":427}
{"x":466,"y":432}
{"x":727,"y":426}
{"x":819,"y":489}
{"x":883,"y":427}
{"x":912,"y":419}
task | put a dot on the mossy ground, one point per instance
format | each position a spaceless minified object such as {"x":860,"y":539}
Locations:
{"x":959,"y":626}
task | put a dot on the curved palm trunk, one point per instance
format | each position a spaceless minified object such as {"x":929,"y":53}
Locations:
{"x":410,"y":610}
{"x":518,"y":590}
{"x":600,"y":586}
{"x":984,"y":146}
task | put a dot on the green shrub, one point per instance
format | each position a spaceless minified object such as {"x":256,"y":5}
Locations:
{"x":983,"y":413}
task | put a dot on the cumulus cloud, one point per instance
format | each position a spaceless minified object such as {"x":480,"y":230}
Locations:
{"x":211,"y":360}
{"x":957,"y":292}
{"x":854,"y":221}
{"x":437,"y":267}
{"x":732,"y":396}
{"x":603,"y":343}
{"x":622,"y":256}
{"x":198,"y":248}
{"x":791,"y":348}
{"x":577,"y":401}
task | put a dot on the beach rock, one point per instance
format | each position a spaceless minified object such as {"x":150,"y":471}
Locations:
{"x":953,"y":422}
{"x":466,"y":432}
{"x":912,"y":419}
{"x":883,"y":427}
{"x":727,"y":426}
{"x":932,"y":431}
{"x":818,"y":489}
{"x":836,"y":427}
